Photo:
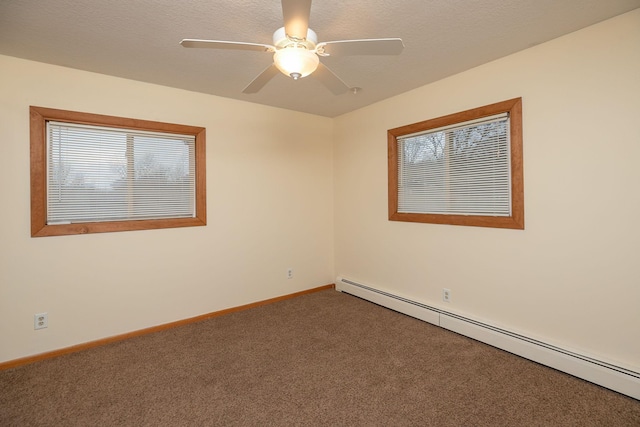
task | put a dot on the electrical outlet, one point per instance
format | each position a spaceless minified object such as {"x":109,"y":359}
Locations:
{"x":446,"y":295}
{"x":40,"y":320}
{"x":289,"y":273}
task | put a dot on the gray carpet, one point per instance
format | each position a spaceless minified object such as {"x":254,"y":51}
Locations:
{"x":322,"y":359}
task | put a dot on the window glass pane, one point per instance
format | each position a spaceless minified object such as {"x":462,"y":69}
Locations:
{"x":462,"y":170}
{"x":108,"y":174}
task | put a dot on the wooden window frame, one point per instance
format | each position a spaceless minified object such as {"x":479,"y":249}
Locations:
{"x":39,"y":116}
{"x":516,"y":220}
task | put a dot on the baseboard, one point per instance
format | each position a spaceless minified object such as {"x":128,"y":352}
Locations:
{"x":84,"y":346}
{"x":613,"y":377}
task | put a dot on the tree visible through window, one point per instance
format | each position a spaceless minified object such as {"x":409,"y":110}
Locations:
{"x":462,"y":169}
{"x":94,"y":173}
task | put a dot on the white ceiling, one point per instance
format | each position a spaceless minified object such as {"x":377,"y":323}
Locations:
{"x":139,"y":39}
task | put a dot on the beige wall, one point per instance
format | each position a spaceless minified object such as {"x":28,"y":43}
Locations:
{"x":572,"y":277}
{"x":269,"y":202}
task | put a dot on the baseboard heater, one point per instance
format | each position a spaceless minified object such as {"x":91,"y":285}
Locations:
{"x":614,"y":377}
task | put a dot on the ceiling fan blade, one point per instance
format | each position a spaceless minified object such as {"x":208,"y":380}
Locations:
{"x":262,"y":79}
{"x":391,"y":46}
{"x":218,"y":44}
{"x":296,"y":18}
{"x":330,"y":80}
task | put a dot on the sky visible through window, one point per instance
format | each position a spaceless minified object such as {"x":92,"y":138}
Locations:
{"x":99,"y":158}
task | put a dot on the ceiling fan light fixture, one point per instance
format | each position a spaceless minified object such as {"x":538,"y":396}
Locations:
{"x":296,"y":50}
{"x":296,"y":61}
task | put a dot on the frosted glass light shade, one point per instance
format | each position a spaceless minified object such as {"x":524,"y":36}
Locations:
{"x":296,"y":61}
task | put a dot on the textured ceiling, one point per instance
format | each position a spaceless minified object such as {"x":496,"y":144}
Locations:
{"x":139,"y":39}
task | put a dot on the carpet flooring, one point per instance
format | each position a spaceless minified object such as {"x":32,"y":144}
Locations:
{"x":321,"y":359}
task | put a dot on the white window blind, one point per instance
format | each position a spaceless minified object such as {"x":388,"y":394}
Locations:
{"x":99,"y":174}
{"x":462,"y":169}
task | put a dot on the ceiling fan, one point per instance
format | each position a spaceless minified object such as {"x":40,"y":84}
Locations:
{"x":296,"y":50}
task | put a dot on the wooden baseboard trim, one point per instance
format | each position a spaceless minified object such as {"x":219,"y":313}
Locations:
{"x":91,"y":344}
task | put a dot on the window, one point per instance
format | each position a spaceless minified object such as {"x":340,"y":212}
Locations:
{"x":93,"y":174}
{"x":460,"y":169}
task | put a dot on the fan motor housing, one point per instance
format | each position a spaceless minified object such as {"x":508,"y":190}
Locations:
{"x":280,"y":39}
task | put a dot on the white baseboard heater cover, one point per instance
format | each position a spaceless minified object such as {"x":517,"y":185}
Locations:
{"x":590,"y":369}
